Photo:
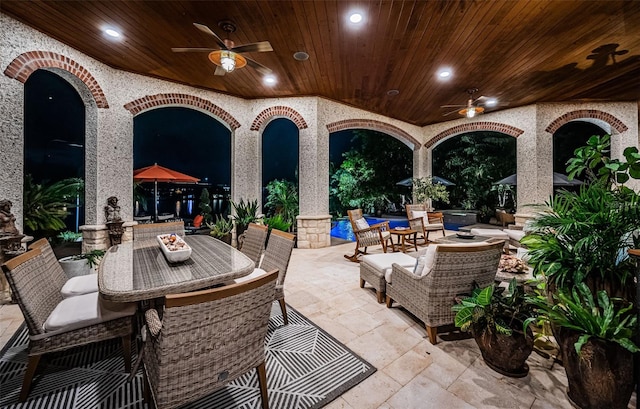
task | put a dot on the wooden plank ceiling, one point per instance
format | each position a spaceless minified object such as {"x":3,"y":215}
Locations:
{"x":519,"y":51}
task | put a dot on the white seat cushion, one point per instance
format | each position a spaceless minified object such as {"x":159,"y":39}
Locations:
{"x":495,"y":233}
{"x":85,"y":310}
{"x":80,"y":285}
{"x":516,"y":235}
{"x":434,"y":226}
{"x":361,"y":224}
{"x":382,"y":262}
{"x":257,"y":272}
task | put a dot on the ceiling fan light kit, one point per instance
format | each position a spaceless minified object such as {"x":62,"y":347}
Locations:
{"x":228,"y":60}
{"x":470,"y":112}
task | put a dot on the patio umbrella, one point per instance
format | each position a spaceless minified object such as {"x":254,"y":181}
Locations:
{"x":156,"y":173}
{"x":435,"y":179}
{"x":558,"y":180}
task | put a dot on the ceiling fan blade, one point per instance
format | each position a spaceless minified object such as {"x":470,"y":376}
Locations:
{"x":258,"y":67}
{"x":452,"y":106}
{"x":192,"y":50}
{"x":261,"y":47}
{"x":451,"y":112}
{"x":207,"y":30}
{"x":219,"y":71}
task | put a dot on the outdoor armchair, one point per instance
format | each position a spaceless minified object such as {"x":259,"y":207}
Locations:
{"x":366,"y":236}
{"x":424,"y":222}
{"x":450,"y":270}
{"x":206,"y":339}
{"x":55,"y":323}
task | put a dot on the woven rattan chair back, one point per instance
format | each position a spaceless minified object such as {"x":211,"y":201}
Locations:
{"x":207,"y":339}
{"x":253,"y":244}
{"x":410,"y":208}
{"x":28,"y":276}
{"x":151,"y":230}
{"x":276,"y":257}
{"x":57,"y":274}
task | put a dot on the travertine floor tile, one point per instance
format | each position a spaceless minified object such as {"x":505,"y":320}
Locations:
{"x":372,"y":392}
{"x":421,"y":392}
{"x":405,"y":368}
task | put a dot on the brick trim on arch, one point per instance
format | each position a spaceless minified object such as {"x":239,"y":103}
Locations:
{"x":26,"y":63}
{"x":475,"y":126}
{"x":280,"y":111}
{"x":373,"y":125}
{"x":615,"y":123}
{"x":158,"y":100}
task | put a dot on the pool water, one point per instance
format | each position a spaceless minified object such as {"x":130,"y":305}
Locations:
{"x":342,"y":228}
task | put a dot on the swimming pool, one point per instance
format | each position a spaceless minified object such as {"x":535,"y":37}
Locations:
{"x":342,"y":228}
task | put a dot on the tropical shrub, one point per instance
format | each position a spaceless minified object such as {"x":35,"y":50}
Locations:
{"x":282,"y":199}
{"x":47,"y":205}
{"x":424,"y":190}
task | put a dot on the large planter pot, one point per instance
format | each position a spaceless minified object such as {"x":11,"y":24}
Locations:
{"x":505,"y":354}
{"x":74,"y":268}
{"x":601,"y":377}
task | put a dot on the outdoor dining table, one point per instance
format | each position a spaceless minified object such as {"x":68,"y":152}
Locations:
{"x":138,"y":270}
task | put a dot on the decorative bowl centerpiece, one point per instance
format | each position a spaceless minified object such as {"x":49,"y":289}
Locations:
{"x":174,"y":248}
{"x":465,"y":235}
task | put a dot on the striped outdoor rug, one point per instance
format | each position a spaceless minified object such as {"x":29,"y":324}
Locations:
{"x":306,"y":368}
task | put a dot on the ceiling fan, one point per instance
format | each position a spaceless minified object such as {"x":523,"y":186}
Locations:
{"x":229,"y":57}
{"x":473,"y":106}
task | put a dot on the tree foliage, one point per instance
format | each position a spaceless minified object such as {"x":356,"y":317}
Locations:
{"x":282,"y":200}
{"x":47,"y":205}
{"x":369,"y":172}
{"x":473,"y":162}
{"x":205,"y":205}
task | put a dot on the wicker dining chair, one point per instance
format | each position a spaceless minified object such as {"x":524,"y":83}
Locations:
{"x":276,"y":257}
{"x":452,"y":271}
{"x":366,"y":236}
{"x":151,"y":230}
{"x":56,"y":323}
{"x":253,"y":242}
{"x":206,"y":339}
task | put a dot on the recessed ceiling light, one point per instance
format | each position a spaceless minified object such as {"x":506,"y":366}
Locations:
{"x":491,"y":102}
{"x":269,"y":80}
{"x":301,"y":56}
{"x":112,"y":33}
{"x":393,"y":92}
{"x":355,"y":18}
{"x":444,"y":73}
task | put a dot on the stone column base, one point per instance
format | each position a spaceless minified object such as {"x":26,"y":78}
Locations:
{"x":521,"y":218}
{"x":96,"y":236}
{"x":314,"y":232}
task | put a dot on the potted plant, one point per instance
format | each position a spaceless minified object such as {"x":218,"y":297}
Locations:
{"x":595,"y":338}
{"x":578,"y":245}
{"x":425,"y":191}
{"x":245,"y":213}
{"x":205,"y":206}
{"x":221,"y":229}
{"x":81,"y":264}
{"x":498,"y":321}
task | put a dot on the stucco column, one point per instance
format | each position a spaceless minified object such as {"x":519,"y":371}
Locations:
{"x":12,"y":145}
{"x":314,"y":222}
{"x":245,"y":164}
{"x":535,"y":161}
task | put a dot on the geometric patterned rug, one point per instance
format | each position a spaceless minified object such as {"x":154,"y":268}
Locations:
{"x":306,"y":368}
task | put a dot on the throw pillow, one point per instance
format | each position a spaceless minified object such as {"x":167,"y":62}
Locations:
{"x":197,"y":221}
{"x":423,"y":214}
{"x":362,"y":224}
{"x":420,"y":263}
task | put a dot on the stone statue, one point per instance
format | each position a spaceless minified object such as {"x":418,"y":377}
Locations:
{"x":7,"y":219}
{"x":112,"y":210}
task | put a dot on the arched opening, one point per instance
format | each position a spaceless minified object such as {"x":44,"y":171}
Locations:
{"x":190,"y":142}
{"x":54,"y":155}
{"x":568,"y":138}
{"x":280,"y":157}
{"x":474,"y":162}
{"x":365,"y":171}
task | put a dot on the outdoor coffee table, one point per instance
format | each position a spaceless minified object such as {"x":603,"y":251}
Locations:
{"x":402,"y":234}
{"x":454,"y":238}
{"x":138,"y":270}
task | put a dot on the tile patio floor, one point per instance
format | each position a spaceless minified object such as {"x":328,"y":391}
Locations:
{"x":412,"y":373}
